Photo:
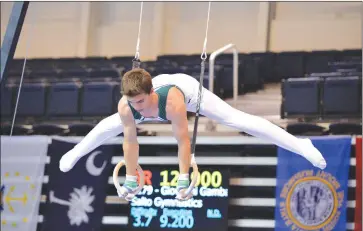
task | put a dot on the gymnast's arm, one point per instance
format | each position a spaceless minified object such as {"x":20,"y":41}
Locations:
{"x":177,"y":114}
{"x":130,"y":144}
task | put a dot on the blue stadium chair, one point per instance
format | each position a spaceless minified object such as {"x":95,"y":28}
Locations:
{"x":195,"y":72}
{"x":152,"y":71}
{"x":351,"y":54}
{"x":158,"y":64}
{"x":345,"y":129}
{"x":97,"y":99}
{"x":250,"y":77}
{"x":123,"y":61}
{"x":27,"y":78}
{"x":96,"y":62}
{"x":192,"y":60}
{"x":168,"y":70}
{"x":48,"y":130}
{"x":346,"y":66}
{"x":62,"y":63}
{"x":326,"y":74}
{"x":16,"y":68}
{"x":41,"y":73}
{"x":41,"y":68}
{"x":317,"y":61}
{"x":179,"y":59}
{"x":79,"y":129}
{"x":305,"y":129}
{"x":116,"y":96}
{"x":266,"y":63}
{"x":300,"y":97}
{"x":71,"y":67}
{"x":63,"y":100}
{"x":18,"y":130}
{"x":32,"y":100}
{"x":342,"y":96}
{"x":74,"y":72}
{"x":6,"y":101}
{"x":289,"y":65}
{"x":104,"y":73}
{"x":40,"y":62}
{"x":225,"y":81}
{"x":226,"y":62}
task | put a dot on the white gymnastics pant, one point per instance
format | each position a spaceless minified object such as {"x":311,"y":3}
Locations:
{"x":212,"y":107}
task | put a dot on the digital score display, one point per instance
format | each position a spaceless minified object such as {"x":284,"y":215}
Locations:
{"x":157,"y":209}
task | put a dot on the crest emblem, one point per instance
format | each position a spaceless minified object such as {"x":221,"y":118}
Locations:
{"x":311,"y":201}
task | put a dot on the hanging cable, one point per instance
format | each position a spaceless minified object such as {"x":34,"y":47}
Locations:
{"x":136,"y":61}
{"x":202,"y":70}
{"x":188,"y":193}
{"x":22,"y":72}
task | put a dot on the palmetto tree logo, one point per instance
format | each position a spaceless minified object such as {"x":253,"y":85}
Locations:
{"x":79,"y":204}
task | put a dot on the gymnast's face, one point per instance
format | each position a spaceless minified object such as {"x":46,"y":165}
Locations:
{"x":140,"y":102}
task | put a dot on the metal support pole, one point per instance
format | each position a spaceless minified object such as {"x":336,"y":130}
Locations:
{"x":12,"y":35}
{"x":235,"y":69}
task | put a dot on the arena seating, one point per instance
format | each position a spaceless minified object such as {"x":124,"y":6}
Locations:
{"x":32,"y":102}
{"x":322,"y":98}
{"x":337,"y":91}
{"x":97,"y":99}
{"x":80,"y":91}
{"x":6,"y":101}
{"x":301,"y":97}
{"x":316,"y":61}
{"x":63,"y":100}
{"x":306,"y":129}
{"x":18,"y":130}
{"x":345,"y":129}
{"x":289,"y":64}
{"x":342,"y":96}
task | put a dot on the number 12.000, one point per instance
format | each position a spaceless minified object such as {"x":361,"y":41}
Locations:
{"x":205,"y":179}
{"x":176,"y":221}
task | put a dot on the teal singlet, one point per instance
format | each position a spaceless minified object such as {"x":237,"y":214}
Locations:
{"x":162,"y":92}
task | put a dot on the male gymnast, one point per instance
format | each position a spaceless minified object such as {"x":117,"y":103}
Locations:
{"x":168,"y":98}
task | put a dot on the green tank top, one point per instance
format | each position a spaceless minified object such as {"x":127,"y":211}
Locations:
{"x":163,"y":95}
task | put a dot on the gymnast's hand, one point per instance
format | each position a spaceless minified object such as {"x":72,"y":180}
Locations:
{"x":128,"y":190}
{"x":183,"y":185}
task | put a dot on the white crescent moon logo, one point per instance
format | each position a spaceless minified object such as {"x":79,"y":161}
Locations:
{"x":90,"y":166}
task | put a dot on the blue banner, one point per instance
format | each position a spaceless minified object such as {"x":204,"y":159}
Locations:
{"x":308,"y":198}
{"x":76,"y":199}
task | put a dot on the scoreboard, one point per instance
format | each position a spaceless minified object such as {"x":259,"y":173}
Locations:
{"x":156,"y":208}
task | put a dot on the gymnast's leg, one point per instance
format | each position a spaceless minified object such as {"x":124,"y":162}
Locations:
{"x":215,"y":108}
{"x":105,"y":129}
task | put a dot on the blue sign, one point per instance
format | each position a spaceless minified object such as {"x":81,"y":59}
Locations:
{"x":308,"y":198}
{"x":76,"y":199}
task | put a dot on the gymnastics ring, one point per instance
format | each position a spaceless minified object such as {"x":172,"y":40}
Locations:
{"x":117,"y":184}
{"x":186,"y":194}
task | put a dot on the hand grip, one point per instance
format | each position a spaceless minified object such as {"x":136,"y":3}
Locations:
{"x":115,"y":177}
{"x":187,"y":192}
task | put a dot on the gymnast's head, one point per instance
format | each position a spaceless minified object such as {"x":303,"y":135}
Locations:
{"x":137,"y":86}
